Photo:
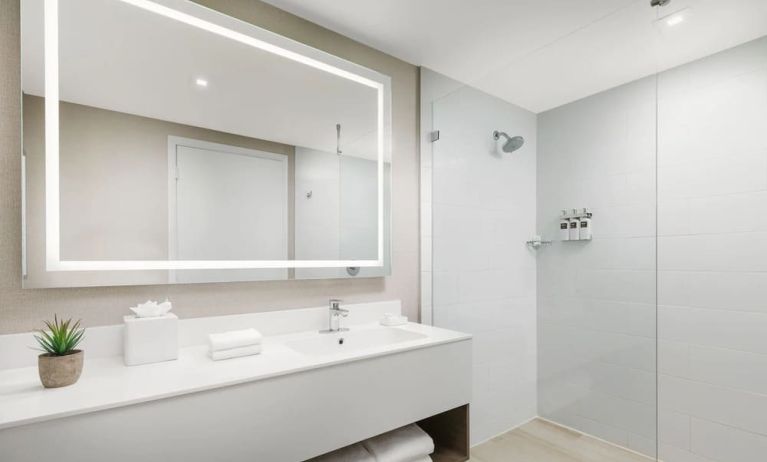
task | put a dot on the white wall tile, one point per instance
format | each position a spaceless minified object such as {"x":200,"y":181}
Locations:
{"x":712,"y":316}
{"x":729,"y":368}
{"x":634,"y":417}
{"x":720,"y":442}
{"x":671,"y":453}
{"x":737,"y":330}
{"x":609,"y":433}
{"x":673,"y":358}
{"x":642,"y":444}
{"x":445,"y":290}
{"x":713,"y":252}
{"x":735,"y":408}
{"x":740,"y":291}
{"x":674,"y":429}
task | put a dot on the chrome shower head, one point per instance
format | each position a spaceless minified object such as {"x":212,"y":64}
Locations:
{"x":512,"y":142}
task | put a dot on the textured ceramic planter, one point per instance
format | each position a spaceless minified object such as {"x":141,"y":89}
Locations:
{"x":60,"y":371}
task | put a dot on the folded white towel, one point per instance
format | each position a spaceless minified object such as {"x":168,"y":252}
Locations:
{"x":234,"y":339}
{"x":422,"y":459}
{"x":235,"y":352}
{"x":353,"y":453}
{"x":408,"y":443}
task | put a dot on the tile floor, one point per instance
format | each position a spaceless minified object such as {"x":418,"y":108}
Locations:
{"x":541,"y":441}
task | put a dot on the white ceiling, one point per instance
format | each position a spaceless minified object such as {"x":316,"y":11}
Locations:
{"x":115,"y":56}
{"x":540,"y":54}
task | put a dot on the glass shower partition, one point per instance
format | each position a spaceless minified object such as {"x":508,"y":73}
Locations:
{"x":565,"y":330}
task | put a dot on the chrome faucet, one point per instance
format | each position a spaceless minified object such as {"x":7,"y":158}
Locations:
{"x":336,"y":313}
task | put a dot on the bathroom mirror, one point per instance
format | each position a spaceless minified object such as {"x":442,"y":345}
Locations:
{"x":165,"y":142}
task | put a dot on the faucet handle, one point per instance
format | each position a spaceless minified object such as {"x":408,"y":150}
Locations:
{"x":335,"y":303}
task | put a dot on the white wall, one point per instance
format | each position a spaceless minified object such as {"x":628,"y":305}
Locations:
{"x":596,"y":301}
{"x":712,"y":259}
{"x":483,"y":211}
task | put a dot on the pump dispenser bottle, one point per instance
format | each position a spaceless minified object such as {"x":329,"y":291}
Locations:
{"x":564,"y":226}
{"x":585,"y":231}
{"x":575,"y":222}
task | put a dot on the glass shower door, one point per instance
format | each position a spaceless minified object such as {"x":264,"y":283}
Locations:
{"x":483,"y":211}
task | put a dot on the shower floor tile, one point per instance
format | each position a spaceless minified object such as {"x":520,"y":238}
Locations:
{"x":541,"y":441}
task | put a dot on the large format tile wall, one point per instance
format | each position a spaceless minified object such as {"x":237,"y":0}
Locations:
{"x":596,"y":299}
{"x":712,"y":259}
{"x":483,"y":211}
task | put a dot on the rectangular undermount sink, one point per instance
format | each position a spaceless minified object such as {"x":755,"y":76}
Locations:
{"x":353,"y":340}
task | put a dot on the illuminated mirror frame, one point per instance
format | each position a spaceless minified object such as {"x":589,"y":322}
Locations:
{"x":239,"y":31}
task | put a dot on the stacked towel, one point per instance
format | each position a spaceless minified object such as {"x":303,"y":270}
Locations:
{"x":353,"y":453}
{"x":406,"y":444}
{"x":235,"y":344}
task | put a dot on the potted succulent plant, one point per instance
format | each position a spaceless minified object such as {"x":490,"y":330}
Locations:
{"x":61,"y":363}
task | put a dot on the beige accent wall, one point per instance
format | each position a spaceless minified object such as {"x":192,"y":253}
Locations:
{"x":22,"y":309}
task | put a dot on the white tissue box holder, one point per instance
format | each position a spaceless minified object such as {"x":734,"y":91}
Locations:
{"x":150,"y":340}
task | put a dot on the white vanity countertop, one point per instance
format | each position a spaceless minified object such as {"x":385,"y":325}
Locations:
{"x":107,"y":383}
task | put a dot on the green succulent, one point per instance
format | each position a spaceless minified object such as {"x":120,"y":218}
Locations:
{"x":61,"y":338}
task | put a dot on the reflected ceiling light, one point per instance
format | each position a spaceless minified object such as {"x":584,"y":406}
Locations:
{"x":200,"y":82}
{"x":199,"y":23}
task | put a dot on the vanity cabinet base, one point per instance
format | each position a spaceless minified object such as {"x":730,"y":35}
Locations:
{"x":287,"y":418}
{"x":450,"y":431}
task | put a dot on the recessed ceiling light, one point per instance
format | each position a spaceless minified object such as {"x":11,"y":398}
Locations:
{"x":674,"y":19}
{"x":202,"y":83}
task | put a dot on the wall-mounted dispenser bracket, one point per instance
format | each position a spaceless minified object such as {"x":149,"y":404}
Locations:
{"x":537,"y":242}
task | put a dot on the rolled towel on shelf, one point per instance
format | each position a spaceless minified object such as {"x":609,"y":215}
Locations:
{"x":353,"y":453}
{"x":234,"y":339}
{"x":235,"y":352}
{"x":408,"y":443}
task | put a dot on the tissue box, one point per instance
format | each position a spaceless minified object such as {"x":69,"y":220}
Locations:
{"x":150,"y":340}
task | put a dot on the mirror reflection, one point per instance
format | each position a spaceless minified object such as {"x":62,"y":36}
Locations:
{"x":179,"y":144}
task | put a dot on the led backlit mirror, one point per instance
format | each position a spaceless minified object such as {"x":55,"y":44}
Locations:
{"x":165,"y":142}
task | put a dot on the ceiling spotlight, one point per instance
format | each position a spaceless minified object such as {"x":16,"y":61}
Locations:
{"x":202,"y":83}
